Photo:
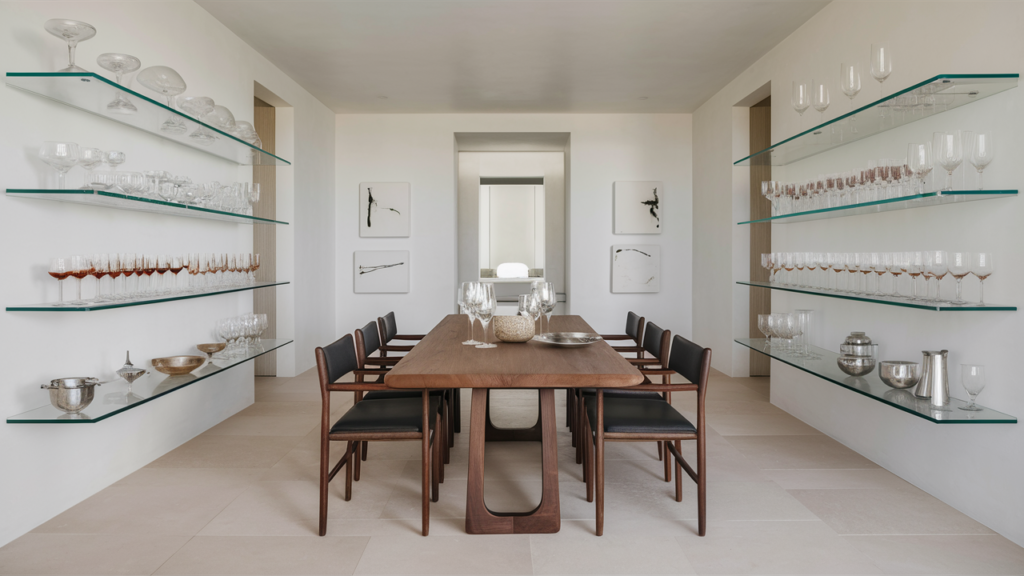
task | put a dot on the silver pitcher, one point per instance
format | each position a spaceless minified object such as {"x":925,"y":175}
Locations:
{"x":934,"y":384}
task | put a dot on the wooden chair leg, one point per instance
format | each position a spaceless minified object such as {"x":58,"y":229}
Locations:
{"x":364,"y":448}
{"x":599,"y":462}
{"x":358,"y":447}
{"x":702,"y":486}
{"x":583,"y":437}
{"x":348,"y":472}
{"x":450,"y":423}
{"x":661,"y":450}
{"x":679,"y":472}
{"x":668,"y":462}
{"x":443,"y":450}
{"x":458,"y":411}
{"x":425,"y":463}
{"x":435,"y":460}
{"x":588,"y":460}
{"x":325,"y":461}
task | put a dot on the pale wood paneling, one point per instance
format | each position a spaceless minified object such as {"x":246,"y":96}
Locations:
{"x":264,"y":236}
{"x":760,"y":234}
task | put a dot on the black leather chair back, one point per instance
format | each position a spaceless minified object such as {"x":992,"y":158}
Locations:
{"x":635,"y":327}
{"x":369,"y":339}
{"x":652,"y":339}
{"x":389,"y":327}
{"x":692,"y":361}
{"x":335,"y":360}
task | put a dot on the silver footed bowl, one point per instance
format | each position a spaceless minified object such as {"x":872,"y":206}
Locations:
{"x":899,"y":374}
{"x":856,"y":365}
{"x":71,"y":395}
{"x":568,"y":339}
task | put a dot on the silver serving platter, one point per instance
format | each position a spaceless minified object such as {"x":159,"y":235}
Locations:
{"x":568,"y":339}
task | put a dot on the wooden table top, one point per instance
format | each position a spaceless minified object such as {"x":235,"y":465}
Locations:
{"x":440,"y":360}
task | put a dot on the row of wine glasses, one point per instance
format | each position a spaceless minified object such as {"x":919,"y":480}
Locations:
{"x":816,"y":93}
{"x":155,"y":276}
{"x":160,"y":79}
{"x":477,"y":300}
{"x":950,"y":149}
{"x":788,"y":268}
{"x":241,"y":333}
{"x":63,"y":156}
{"x":539,"y":304}
{"x":787,"y":332}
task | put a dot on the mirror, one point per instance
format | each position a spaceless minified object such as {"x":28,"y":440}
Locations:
{"x":512,"y":231}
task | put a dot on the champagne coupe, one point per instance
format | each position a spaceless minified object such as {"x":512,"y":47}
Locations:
{"x":948,"y":153}
{"x":467,"y":293}
{"x":486,"y":306}
{"x":220,"y":118}
{"x":100,"y":268}
{"x":881,"y":63}
{"x":801,"y":99}
{"x":119,"y":64}
{"x":982,"y":152}
{"x":89,"y":158}
{"x":60,"y":268}
{"x":61,"y":156}
{"x":114,"y":158}
{"x":197,"y":107}
{"x":973,"y":379}
{"x":850,"y":84}
{"x":73,"y":32}
{"x":982,"y":266}
{"x":820,"y":99}
{"x":80,"y":268}
{"x":959,"y":266}
{"x":166,"y":81}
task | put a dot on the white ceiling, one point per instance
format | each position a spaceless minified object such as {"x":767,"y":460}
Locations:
{"x":438,"y":56}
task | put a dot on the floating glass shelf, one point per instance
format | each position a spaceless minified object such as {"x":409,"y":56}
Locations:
{"x":904,"y":302}
{"x":823,"y":365}
{"x":93,"y":306}
{"x":116,"y":397}
{"x":904,"y":203}
{"x":137,"y":204}
{"x":934,"y":96}
{"x":91,"y":92}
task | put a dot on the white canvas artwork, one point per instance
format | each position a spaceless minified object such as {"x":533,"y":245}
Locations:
{"x":637,"y":207}
{"x":384,"y":210}
{"x":381,"y":272}
{"x":636,"y":268}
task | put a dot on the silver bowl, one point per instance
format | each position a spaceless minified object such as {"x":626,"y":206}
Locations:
{"x":856,"y":365}
{"x":71,"y":395}
{"x":899,"y":374}
{"x":858,"y":349}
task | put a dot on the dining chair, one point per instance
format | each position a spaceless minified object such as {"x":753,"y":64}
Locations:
{"x":367,"y":342}
{"x":388,"y":328}
{"x":392,"y":419}
{"x":634,"y":332}
{"x":624,"y":419}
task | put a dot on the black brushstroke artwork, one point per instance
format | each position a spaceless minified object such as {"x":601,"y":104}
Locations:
{"x":368,"y":269}
{"x":630,"y":250}
{"x":653,"y":206}
{"x":371,"y":204}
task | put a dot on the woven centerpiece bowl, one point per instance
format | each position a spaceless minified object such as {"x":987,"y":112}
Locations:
{"x":513,"y":328}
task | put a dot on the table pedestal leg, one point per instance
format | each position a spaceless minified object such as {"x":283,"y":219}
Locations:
{"x":495,"y":434}
{"x":546,"y":518}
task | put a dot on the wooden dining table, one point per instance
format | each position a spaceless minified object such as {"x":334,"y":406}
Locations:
{"x":441,"y":361}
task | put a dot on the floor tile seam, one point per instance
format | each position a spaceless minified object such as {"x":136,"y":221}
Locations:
{"x":172,"y":554}
{"x":943,"y":534}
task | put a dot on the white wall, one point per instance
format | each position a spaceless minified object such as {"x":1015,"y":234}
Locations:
{"x":48,"y":468}
{"x":605,"y":148}
{"x":975,"y":468}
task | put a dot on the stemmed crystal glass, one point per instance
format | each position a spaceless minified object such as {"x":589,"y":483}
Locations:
{"x":61,"y":156}
{"x":937,"y":267}
{"x":530,"y":307}
{"x":220,"y":118}
{"x":486,"y":305}
{"x":548,"y":299}
{"x":949,"y":154}
{"x":982,"y":266}
{"x":73,"y":32}
{"x":973,"y":379}
{"x":881,"y":63}
{"x":89,"y":158}
{"x":100,"y":268}
{"x":820,"y":99}
{"x":115,"y":271}
{"x":915,"y":267}
{"x":166,"y":81}
{"x":119,"y":64}
{"x":850,"y":84}
{"x":982,"y":153}
{"x":80,"y":268}
{"x":919,"y":158}
{"x":466,"y":298}
{"x":197,"y":107}
{"x":959,"y":266}
{"x":60,"y":268}
{"x":801,"y":99}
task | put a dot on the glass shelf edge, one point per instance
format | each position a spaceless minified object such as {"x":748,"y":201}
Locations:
{"x":41,"y":193}
{"x":15,"y":419}
{"x":933,"y":308}
{"x":96,"y":307}
{"x":869,"y":106}
{"x":129,"y":91}
{"x":967,"y":196}
{"x":748,"y":343}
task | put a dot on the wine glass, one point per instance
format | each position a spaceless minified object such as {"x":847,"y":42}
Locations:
{"x":982,"y":266}
{"x":73,"y":32}
{"x":919,"y":157}
{"x":486,"y":306}
{"x":197,"y":107}
{"x":973,"y":379}
{"x":119,"y":64}
{"x":948,"y":151}
{"x":115,"y":271}
{"x":915,"y":267}
{"x":100,"y":268}
{"x":937,"y":268}
{"x":61,"y":156}
{"x":801,"y":99}
{"x":982,"y":152}
{"x":548,"y":301}
{"x":89,"y":158}
{"x":80,"y":267}
{"x":850,"y":84}
{"x":164,"y":80}
{"x":466,"y":295}
{"x":959,"y":266}
{"x":820,"y":99}
{"x":60,"y":268}
{"x":529,"y":307}
{"x":881,"y":63}
{"x":762,"y":325}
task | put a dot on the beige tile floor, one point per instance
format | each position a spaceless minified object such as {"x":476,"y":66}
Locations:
{"x":242,"y":499}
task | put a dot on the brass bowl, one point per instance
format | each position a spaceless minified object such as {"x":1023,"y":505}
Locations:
{"x":211,"y":349}
{"x":177,"y":365}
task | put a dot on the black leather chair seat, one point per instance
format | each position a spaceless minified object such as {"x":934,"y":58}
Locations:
{"x":395,"y":415}
{"x":392,"y":394}
{"x":636,"y":416}
{"x":619,"y":393}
